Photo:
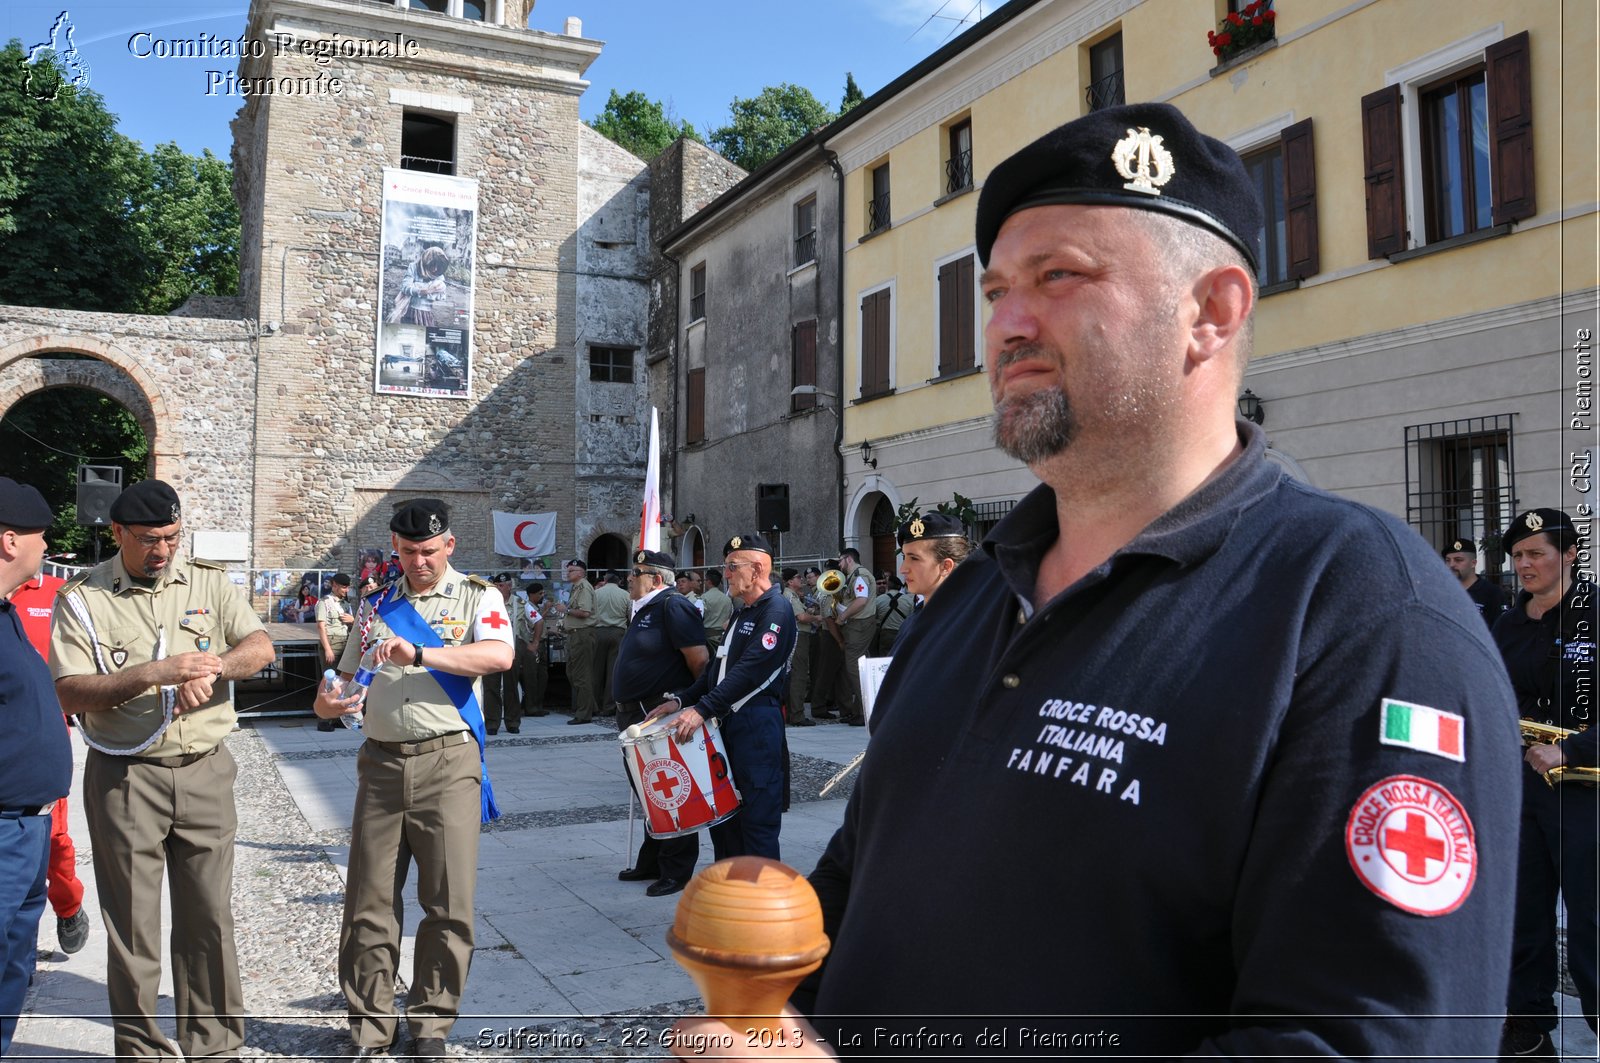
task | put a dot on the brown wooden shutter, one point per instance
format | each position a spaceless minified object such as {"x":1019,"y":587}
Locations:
{"x":695,"y":407}
{"x":1510,"y":85}
{"x":1300,"y":200}
{"x":805,"y":362}
{"x":875,"y":343}
{"x":949,"y":315}
{"x":964,"y":311}
{"x":1385,"y":172}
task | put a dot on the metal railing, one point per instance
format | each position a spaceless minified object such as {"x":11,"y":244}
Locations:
{"x":1107,"y":92}
{"x":805,"y":248}
{"x":878,"y":213}
{"x":697,"y":306}
{"x":427,"y":164}
{"x":958,"y":172}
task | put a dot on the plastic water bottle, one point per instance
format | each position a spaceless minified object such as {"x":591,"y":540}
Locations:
{"x":330,"y":683}
{"x":359,"y":684}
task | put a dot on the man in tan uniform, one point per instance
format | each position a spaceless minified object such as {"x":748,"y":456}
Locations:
{"x":579,"y":623}
{"x":857,"y":625}
{"x":800,"y":664}
{"x":334,"y":620}
{"x":612,"y":607}
{"x":419,"y":794}
{"x":500,"y":688}
{"x":717,"y":607}
{"x":532,"y":662}
{"x":141,"y":652}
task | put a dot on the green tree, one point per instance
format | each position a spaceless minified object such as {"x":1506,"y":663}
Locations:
{"x":191,"y":225}
{"x":640,"y":124}
{"x":70,"y":189}
{"x":763,"y":125}
{"x":852,"y":94}
{"x":46,"y":435}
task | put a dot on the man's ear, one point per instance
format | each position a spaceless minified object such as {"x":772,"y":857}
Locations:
{"x":1222,"y":301}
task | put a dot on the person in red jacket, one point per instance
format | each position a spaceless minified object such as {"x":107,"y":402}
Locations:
{"x":35,"y":601}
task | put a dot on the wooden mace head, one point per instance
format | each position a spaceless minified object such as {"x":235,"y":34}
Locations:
{"x":748,"y":929}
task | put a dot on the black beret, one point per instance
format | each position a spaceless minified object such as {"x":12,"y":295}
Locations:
{"x":1142,"y":155}
{"x":149,"y":502}
{"x":421,"y":519}
{"x":1553,"y":522}
{"x":654,"y":559}
{"x":579,"y":563}
{"x":341,"y":578}
{"x":789,"y":574}
{"x":1459,"y":546}
{"x":754,"y":541}
{"x":933,"y":525}
{"x":22,"y":506}
{"x":503,"y":577}
{"x":813,"y":570}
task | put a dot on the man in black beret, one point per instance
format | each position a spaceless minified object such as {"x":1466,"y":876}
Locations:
{"x":422,"y":787}
{"x":35,"y":754}
{"x":663,"y":649}
{"x":743,"y":690}
{"x":1461,"y":558}
{"x":1158,"y":715}
{"x":334,"y":617}
{"x":142,"y":649}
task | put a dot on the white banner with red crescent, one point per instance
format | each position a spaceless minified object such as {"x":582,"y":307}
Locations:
{"x":524,"y":534}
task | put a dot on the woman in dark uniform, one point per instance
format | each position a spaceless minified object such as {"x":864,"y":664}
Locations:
{"x":1547,"y":639}
{"x":931,"y":546}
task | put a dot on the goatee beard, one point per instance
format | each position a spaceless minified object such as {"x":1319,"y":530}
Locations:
{"x":1035,"y":426}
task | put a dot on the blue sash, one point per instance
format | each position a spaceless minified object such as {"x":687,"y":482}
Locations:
{"x":404,"y":620}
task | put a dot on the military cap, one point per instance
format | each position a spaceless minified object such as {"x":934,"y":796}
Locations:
{"x":1459,"y":546}
{"x":789,"y":574}
{"x":421,"y":519}
{"x":813,"y":570}
{"x":653,"y":559}
{"x":22,"y":506}
{"x":933,"y":525}
{"x":1551,"y":521}
{"x":753,"y":541}
{"x":340,"y":578}
{"x":152,"y":503}
{"x":502,"y":577}
{"x":1142,"y":155}
{"x":579,"y":563}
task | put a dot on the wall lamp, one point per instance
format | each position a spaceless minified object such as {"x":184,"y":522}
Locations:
{"x":866,"y":454}
{"x":1251,"y":407}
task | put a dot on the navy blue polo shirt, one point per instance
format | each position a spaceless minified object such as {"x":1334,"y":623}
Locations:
{"x":1172,"y":801}
{"x":35,"y":753}
{"x":1552,"y":675}
{"x":1489,"y":597}
{"x":650,"y":660}
{"x":759,"y":641}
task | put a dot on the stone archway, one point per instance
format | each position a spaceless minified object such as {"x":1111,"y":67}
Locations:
{"x":608,"y":552}
{"x":26,"y":368}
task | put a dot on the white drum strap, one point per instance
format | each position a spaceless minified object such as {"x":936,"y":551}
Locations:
{"x":169,"y":695}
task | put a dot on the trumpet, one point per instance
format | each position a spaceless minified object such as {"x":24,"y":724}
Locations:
{"x":1535,"y":733}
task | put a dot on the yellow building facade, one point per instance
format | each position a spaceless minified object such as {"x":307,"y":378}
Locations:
{"x":1419,"y":337}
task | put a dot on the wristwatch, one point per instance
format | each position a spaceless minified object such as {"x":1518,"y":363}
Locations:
{"x":416,"y":661}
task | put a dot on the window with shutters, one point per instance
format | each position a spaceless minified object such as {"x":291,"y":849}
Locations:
{"x":802,"y":364}
{"x":694,"y":407}
{"x":877,"y":342}
{"x":1272,"y":242}
{"x":958,"y":316}
{"x":1448,"y":147}
{"x":1283,"y":170}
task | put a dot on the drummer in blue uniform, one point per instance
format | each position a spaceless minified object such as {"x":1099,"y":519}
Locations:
{"x":743,"y":691}
{"x":663,"y":648}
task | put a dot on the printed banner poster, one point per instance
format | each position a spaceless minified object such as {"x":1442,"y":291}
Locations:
{"x":425,"y":285}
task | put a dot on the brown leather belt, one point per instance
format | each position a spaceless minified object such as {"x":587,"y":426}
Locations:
{"x":182,"y":760}
{"x":427,"y":745}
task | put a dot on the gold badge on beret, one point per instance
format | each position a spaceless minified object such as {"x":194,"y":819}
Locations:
{"x":1141,"y":159}
{"x":917,"y":528}
{"x":433,"y":524}
{"x":1533,"y":521}
{"x":639,"y":557}
{"x":735,"y":542}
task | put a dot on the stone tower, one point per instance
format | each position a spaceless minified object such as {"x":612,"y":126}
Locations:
{"x":344,"y":90}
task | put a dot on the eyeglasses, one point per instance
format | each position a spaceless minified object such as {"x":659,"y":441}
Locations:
{"x":734,"y":566}
{"x":643,"y":572}
{"x":150,"y":542}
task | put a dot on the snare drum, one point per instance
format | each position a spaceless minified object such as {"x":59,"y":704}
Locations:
{"x":685,"y":786}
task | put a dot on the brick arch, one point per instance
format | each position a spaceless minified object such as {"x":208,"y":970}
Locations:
{"x":113,"y":373}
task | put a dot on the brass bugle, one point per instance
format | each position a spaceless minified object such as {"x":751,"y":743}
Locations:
{"x":1535,"y":733}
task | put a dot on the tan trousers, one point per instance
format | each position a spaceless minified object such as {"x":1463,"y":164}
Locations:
{"x":535,"y":673}
{"x":581,"y":672}
{"x":145,"y":819}
{"x":857,"y":642}
{"x":423,"y":808}
{"x":607,"y":641}
{"x":799,"y":676}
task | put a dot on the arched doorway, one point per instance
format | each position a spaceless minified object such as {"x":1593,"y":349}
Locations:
{"x":692,"y":550}
{"x":609,"y":552}
{"x":49,"y":433}
{"x":884,"y":547}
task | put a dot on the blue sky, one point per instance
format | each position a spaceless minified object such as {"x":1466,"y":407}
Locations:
{"x":695,"y":57}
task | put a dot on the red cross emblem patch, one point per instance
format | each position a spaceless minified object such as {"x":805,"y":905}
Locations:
{"x":667,"y":783}
{"x":1410,"y":841}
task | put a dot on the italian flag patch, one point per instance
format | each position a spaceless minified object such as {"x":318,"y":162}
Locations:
{"x":1423,"y":729}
